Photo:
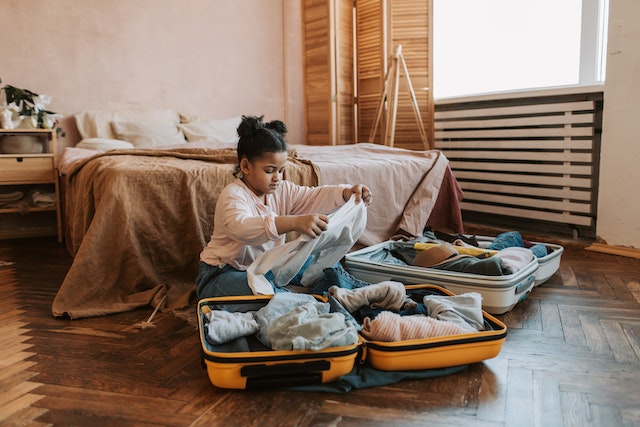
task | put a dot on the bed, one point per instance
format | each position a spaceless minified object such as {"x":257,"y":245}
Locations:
{"x":136,"y":217}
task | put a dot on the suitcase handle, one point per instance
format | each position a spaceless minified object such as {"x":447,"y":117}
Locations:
{"x":284,"y":375}
{"x":285,"y":369}
{"x":524,"y":285}
{"x":273,"y":382}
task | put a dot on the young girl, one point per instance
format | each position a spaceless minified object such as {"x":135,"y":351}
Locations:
{"x":254,"y":212}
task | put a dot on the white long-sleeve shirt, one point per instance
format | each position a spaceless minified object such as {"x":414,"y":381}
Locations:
{"x":244,"y":226}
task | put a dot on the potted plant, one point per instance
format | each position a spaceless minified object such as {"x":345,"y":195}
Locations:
{"x":24,"y":109}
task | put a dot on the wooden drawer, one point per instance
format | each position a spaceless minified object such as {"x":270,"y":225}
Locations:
{"x":26,"y":169}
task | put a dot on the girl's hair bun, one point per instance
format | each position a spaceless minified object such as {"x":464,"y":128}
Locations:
{"x":252,"y":124}
{"x":249,"y":125}
{"x":277,"y":125}
{"x":258,"y":138}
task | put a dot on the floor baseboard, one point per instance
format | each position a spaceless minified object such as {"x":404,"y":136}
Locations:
{"x":614,"y":250}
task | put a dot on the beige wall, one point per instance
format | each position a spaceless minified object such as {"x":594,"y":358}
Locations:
{"x":222,"y":58}
{"x":216,"y":58}
{"x":619,"y":195}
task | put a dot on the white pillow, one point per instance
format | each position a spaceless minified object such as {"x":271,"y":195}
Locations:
{"x":97,"y":124}
{"x":150,"y":134}
{"x":220,"y":130}
{"x":104,"y":144}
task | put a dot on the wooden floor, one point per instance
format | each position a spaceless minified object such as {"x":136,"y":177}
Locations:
{"x":571,"y":358}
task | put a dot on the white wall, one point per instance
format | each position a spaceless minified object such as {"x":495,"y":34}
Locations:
{"x":619,"y":195}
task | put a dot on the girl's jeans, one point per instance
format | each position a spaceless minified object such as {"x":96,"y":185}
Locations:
{"x":214,"y":281}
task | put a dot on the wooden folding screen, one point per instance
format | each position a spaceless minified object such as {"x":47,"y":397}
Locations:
{"x":340,"y":105}
{"x":328,"y":74}
{"x":381,"y":25}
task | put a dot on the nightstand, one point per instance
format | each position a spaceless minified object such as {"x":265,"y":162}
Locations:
{"x":29,"y":189}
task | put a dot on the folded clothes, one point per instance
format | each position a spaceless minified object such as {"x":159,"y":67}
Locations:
{"x":465,"y":309}
{"x":515,"y":258}
{"x":224,"y":326}
{"x":43,"y":199}
{"x":491,"y":266}
{"x":13,"y":196}
{"x":390,"y":295}
{"x":392,"y":327}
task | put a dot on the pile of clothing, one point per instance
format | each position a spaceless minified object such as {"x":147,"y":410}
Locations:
{"x":389,"y":314}
{"x":507,"y":254}
{"x":380,"y":312}
{"x":39,"y":197}
{"x":290,"y":321}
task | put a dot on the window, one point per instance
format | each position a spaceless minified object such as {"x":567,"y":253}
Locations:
{"x":483,"y":46}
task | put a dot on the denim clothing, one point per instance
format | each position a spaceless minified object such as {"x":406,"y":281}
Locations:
{"x":221,"y":281}
{"x":214,"y":281}
{"x":338,"y":276}
{"x":514,"y":239}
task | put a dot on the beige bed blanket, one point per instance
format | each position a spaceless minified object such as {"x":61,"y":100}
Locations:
{"x":136,"y":220}
{"x":411,"y":189}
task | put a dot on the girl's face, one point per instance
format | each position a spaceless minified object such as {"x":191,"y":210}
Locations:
{"x":262,"y":175}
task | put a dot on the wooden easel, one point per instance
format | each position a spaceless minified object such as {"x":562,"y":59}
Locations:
{"x":390,"y":95}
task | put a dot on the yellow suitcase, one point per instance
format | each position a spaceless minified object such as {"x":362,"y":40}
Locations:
{"x":248,"y":364}
{"x":251,"y":365}
{"x":437,"y":352}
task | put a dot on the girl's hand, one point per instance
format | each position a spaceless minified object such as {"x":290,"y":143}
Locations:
{"x":311,"y":224}
{"x":362,"y":192}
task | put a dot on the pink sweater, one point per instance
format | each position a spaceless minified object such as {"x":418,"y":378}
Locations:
{"x":244,"y":227}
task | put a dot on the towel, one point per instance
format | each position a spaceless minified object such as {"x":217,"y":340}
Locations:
{"x":13,"y":196}
{"x":43,"y":198}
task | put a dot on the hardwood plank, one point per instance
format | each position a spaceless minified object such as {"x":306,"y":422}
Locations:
{"x":546,"y":402}
{"x":576,"y":410}
{"x":15,"y":412}
{"x":114,"y":406}
{"x":518,"y":407}
{"x":572,"y":348}
{"x":492,"y":399}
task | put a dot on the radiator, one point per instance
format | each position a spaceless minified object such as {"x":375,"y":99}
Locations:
{"x":534,"y":157}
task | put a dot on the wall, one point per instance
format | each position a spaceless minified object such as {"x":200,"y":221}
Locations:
{"x":619,"y":204}
{"x":221,"y":58}
{"x":215,"y":58}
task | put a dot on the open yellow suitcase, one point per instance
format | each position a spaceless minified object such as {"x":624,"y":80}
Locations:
{"x":437,"y":352}
{"x":249,"y":365}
